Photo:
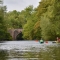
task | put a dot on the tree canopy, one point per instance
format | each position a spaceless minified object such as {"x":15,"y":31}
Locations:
{"x":41,"y":22}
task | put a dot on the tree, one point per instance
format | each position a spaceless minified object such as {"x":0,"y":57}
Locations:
{"x":3,"y":30}
{"x":49,"y":18}
{"x":28,"y":29}
{"x":37,"y":30}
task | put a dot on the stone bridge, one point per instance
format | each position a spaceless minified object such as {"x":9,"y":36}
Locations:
{"x":14,"y":32}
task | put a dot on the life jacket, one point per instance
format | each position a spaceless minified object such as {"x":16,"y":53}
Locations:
{"x":41,"y":41}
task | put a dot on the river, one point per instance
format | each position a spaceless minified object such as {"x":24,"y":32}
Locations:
{"x":29,"y":50}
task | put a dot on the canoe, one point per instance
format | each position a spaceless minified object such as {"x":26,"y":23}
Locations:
{"x":55,"y":42}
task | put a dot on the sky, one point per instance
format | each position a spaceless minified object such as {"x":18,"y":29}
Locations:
{"x":20,"y":4}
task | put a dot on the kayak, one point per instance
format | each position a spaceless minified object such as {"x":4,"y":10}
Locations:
{"x":55,"y":42}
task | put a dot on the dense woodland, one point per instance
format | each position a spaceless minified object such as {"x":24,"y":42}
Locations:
{"x":40,"y":22}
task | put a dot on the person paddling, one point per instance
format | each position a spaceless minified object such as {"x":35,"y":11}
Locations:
{"x":58,"y":39}
{"x":41,"y":41}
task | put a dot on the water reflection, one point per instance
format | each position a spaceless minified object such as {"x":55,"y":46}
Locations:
{"x":30,"y":51}
{"x":3,"y":55}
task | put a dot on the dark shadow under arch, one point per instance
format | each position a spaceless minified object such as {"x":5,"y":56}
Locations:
{"x":19,"y":36}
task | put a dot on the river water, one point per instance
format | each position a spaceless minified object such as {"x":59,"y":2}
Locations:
{"x":29,"y":50}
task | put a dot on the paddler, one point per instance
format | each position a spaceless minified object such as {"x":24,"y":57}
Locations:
{"x":58,"y":40}
{"x":41,"y":41}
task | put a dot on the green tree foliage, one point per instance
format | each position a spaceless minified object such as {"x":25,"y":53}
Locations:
{"x":15,"y":19}
{"x":29,"y":25}
{"x":3,"y":30}
{"x":42,"y":21}
{"x":12,"y":19}
{"x":37,"y":30}
{"x":29,"y":30}
{"x":49,"y":18}
{"x":25,"y":19}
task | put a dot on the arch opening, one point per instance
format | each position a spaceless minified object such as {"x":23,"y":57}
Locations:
{"x":19,"y":36}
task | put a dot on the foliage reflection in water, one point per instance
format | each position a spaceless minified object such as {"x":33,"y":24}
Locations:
{"x":3,"y":55}
{"x":50,"y":52}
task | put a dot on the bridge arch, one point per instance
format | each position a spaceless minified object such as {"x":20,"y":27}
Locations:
{"x":15,"y":32}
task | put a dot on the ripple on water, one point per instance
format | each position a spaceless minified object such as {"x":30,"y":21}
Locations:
{"x":28,"y":50}
{"x":21,"y":45}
